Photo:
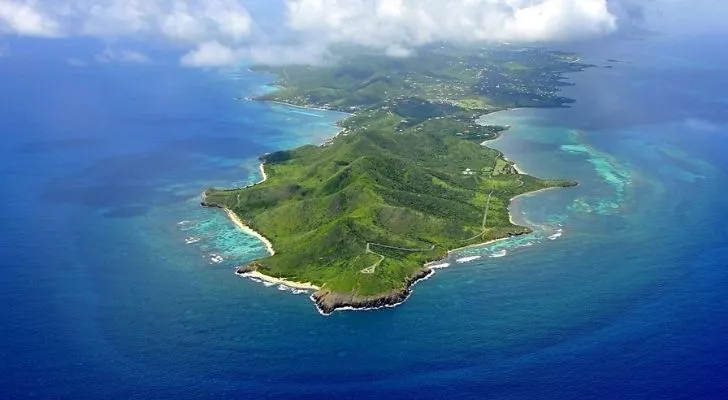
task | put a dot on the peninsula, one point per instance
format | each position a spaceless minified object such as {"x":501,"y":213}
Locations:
{"x":408,"y":179}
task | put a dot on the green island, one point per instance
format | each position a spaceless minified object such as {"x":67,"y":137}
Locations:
{"x":362,"y":217}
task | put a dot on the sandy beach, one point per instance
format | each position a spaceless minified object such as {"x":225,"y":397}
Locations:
{"x":478,"y":245}
{"x":535,"y":192}
{"x":279,"y":281}
{"x":248,"y":230}
{"x":283,"y":103}
{"x":263,"y":174}
{"x":245,"y":228}
{"x":268,"y":245}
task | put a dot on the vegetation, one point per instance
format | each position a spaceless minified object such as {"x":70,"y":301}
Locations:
{"x":478,"y":80}
{"x":407,"y":179}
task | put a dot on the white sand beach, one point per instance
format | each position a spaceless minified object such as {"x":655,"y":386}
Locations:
{"x":248,"y":230}
{"x":279,"y":281}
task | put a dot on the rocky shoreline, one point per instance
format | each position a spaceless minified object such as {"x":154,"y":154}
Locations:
{"x":327,"y":301}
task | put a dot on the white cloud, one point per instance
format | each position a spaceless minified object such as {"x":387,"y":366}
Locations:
{"x":114,"y":17}
{"x":180,"y":24}
{"x":223,"y":32}
{"x":386,"y":23}
{"x":211,"y":54}
{"x":396,"y":50}
{"x":192,"y":21}
{"x":188,"y":21}
{"x":307,"y":53}
{"x":230,"y":19}
{"x":190,"y":24}
{"x":22,"y":18}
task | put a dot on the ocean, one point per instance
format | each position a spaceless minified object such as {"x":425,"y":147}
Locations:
{"x":117,"y":285}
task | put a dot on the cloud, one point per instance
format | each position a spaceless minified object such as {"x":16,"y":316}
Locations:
{"x":186,"y":21}
{"x":306,"y":53}
{"x":211,"y":54}
{"x":225,"y":32}
{"x":398,"y":26}
{"x":406,"y":23}
{"x":186,"y":24}
{"x":214,"y":54}
{"x":397,"y":51}
{"x":22,"y":18}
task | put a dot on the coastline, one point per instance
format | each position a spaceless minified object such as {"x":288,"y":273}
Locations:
{"x":249,"y":231}
{"x":510,"y":214}
{"x":278,"y":281}
{"x":534,"y":193}
{"x":239,"y":223}
{"x":327,"y":141}
{"x":268,"y":245}
{"x":264,"y":176}
{"x":470,"y":246}
{"x":283,"y":103}
{"x":327,"y":302}
{"x":254,"y":274}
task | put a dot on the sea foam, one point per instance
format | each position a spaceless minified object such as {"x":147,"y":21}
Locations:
{"x":556,"y":235}
{"x":467,"y":259}
{"x":498,"y":254}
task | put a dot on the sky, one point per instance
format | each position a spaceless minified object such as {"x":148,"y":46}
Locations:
{"x":217,"y":33}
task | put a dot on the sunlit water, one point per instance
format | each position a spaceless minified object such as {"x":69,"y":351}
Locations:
{"x":118,"y":285}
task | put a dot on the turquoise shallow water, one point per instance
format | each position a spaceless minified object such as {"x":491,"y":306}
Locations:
{"x":617,"y":294}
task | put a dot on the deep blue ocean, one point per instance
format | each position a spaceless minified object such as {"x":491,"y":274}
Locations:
{"x":109,"y":289}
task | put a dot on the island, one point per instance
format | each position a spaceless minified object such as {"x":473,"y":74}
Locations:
{"x":362,"y":217}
